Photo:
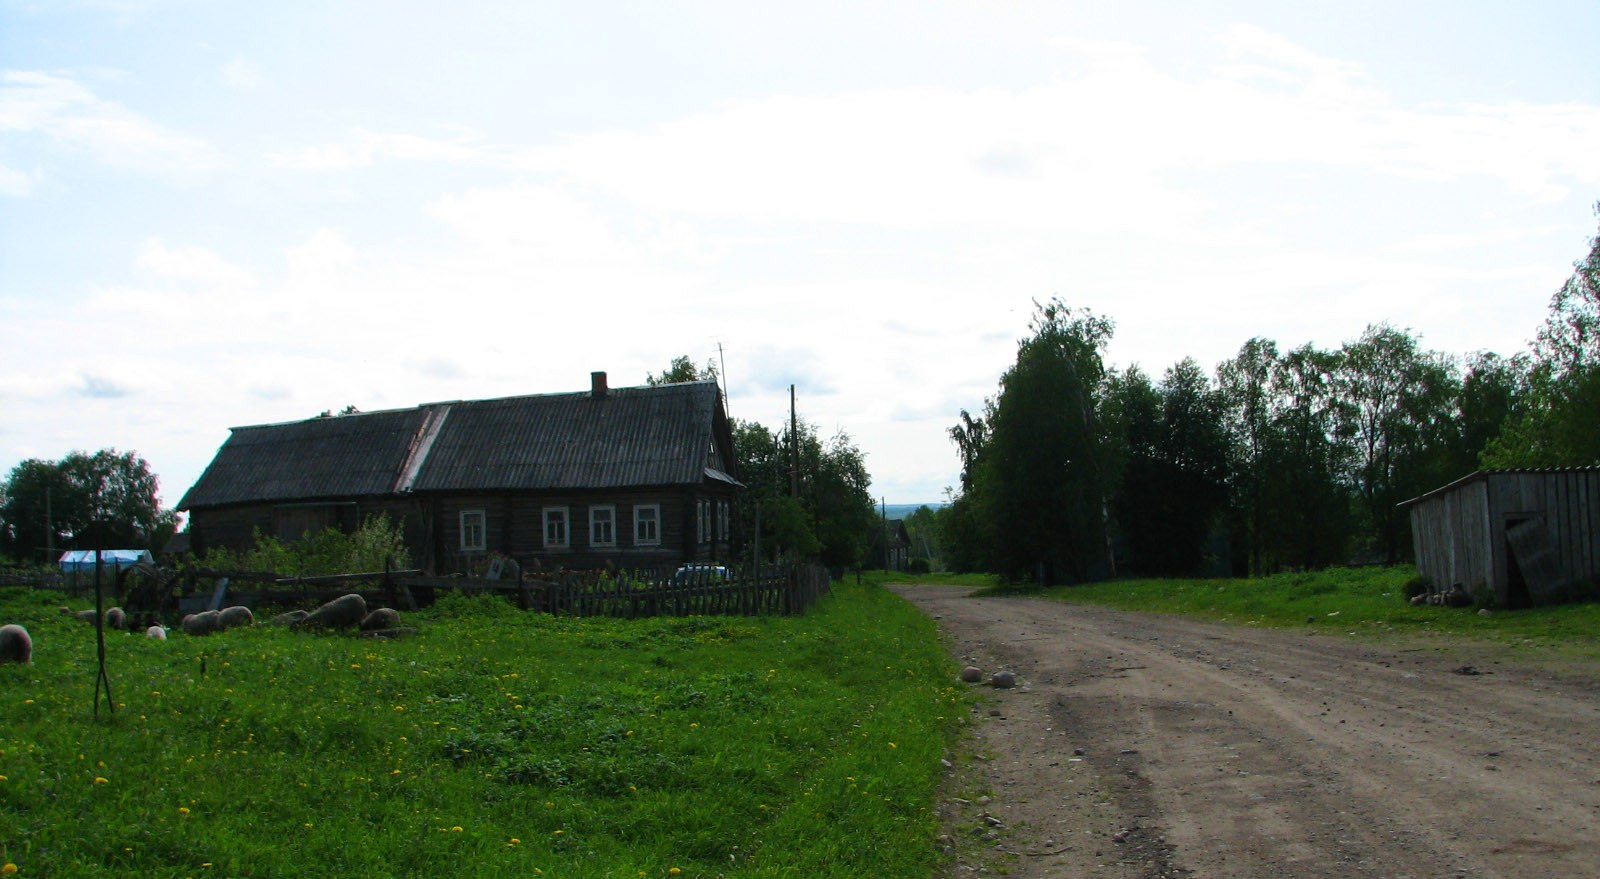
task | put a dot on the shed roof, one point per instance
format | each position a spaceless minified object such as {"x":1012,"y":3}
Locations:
{"x":1485,"y":474}
{"x":641,"y":436}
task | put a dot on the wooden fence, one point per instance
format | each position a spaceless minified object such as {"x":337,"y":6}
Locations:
{"x":790,"y":589}
{"x":773,"y":589}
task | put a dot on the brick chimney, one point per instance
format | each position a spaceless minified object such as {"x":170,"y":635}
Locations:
{"x":597,"y":385}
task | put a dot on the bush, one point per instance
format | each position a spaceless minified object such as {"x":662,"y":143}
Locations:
{"x":918,"y":566}
{"x":329,"y":551}
{"x":1418,"y":585}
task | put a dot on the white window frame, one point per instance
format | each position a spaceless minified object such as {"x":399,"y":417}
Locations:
{"x":557,"y":515}
{"x":482,"y":528}
{"x":609,"y":522}
{"x":650,"y":524}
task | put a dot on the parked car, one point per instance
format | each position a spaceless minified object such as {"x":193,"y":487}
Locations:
{"x":699,"y":572}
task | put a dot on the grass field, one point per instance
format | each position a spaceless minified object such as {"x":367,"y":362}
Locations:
{"x":494,"y":743}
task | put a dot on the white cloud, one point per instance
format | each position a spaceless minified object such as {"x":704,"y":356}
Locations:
{"x":71,"y":114}
{"x":14,"y":182}
{"x":241,"y":74}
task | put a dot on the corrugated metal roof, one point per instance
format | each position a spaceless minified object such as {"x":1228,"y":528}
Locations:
{"x":631,"y":436}
{"x":357,"y":455}
{"x":1484,"y":474}
{"x":645,"y":436}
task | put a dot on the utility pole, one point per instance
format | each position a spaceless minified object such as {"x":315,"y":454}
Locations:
{"x":794,"y":447}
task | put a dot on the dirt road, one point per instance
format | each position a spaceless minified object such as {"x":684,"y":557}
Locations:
{"x":1140,"y":745}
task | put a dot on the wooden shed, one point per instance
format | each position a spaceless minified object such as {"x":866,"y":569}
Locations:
{"x":1516,"y":538}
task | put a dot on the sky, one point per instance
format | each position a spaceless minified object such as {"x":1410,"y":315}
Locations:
{"x":217,"y":214}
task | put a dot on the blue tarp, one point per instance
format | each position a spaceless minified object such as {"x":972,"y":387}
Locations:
{"x":83,"y":559}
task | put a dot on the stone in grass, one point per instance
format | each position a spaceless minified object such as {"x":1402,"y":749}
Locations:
{"x":202,"y":623}
{"x":381,"y":618}
{"x":1003,"y":680}
{"x":289,"y":619}
{"x":344,"y":612}
{"x":237,"y":615}
{"x":972,"y":674}
{"x":156,"y":632}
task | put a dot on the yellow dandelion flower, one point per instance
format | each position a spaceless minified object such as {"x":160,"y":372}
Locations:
{"x":101,"y":779}
{"x":456,"y":829}
{"x":8,"y":869}
{"x":674,"y":871}
{"x":183,"y":810}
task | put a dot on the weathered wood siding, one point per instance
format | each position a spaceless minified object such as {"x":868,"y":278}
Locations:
{"x":1450,"y":537}
{"x":515,"y":528}
{"x":1468,"y":532}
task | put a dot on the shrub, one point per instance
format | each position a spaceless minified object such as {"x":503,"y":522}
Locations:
{"x":1418,"y":585}
{"x":329,"y":551}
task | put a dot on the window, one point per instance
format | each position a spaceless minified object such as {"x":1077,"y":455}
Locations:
{"x":555,"y":528}
{"x":722,"y":521}
{"x":702,"y":532}
{"x":603,"y":526}
{"x":474,"y":536}
{"x":647,"y":525}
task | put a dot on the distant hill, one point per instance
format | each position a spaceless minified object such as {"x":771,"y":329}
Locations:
{"x":900,"y":511}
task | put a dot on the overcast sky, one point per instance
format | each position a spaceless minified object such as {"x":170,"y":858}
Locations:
{"x":220,"y":214}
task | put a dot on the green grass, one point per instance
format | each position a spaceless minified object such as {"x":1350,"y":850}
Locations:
{"x":1365,"y":601}
{"x":494,"y":743}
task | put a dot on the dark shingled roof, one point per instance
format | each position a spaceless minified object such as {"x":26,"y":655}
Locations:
{"x":645,"y":436}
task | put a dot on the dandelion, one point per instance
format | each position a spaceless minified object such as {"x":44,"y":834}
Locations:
{"x":101,"y":779}
{"x":893,"y":745}
{"x":674,"y":871}
{"x":183,"y":810}
{"x":8,"y":869}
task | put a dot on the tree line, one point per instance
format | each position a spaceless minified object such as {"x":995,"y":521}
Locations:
{"x":86,"y":500}
{"x":1277,"y":459}
{"x":805,"y":497}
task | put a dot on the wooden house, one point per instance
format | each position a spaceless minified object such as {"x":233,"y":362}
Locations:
{"x":635,"y":477}
{"x":1515,"y":538}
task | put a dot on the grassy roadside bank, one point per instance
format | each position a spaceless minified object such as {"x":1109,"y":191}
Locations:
{"x":495,"y":743}
{"x":1366,"y":601}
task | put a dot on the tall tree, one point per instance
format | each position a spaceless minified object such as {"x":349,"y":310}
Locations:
{"x":1047,"y":459}
{"x":1304,"y":493}
{"x":1396,"y":405}
{"x":1245,"y":386}
{"x":1560,"y":425}
{"x":682,"y":369}
{"x":107,"y":498}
